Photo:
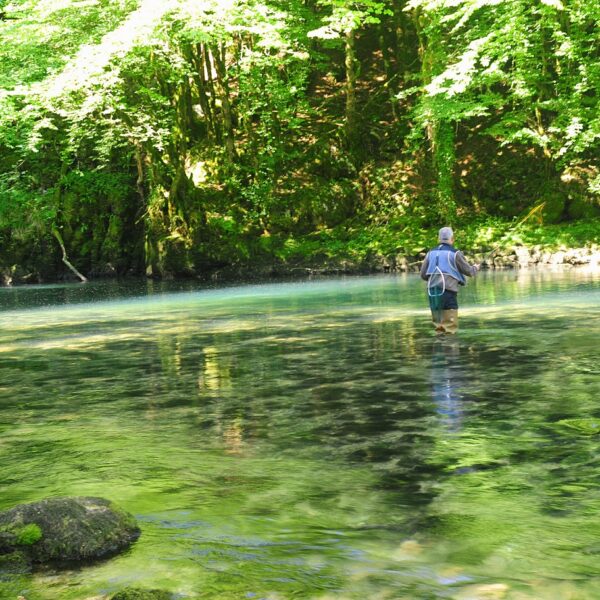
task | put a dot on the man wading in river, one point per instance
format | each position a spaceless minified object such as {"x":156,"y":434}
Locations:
{"x":444,"y":269}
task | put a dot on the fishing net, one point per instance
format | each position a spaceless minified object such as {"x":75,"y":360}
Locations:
{"x":436,"y":286}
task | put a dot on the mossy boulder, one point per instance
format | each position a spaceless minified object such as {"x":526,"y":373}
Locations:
{"x":65,"y":531}
{"x":133,"y":593}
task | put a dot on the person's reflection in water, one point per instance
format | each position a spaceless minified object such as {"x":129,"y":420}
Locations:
{"x":446,"y":382}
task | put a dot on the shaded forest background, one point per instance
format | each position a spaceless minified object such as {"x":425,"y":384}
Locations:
{"x":176,"y":137}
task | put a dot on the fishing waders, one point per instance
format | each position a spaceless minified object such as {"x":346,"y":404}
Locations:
{"x":443,"y":305}
{"x":448,"y":322}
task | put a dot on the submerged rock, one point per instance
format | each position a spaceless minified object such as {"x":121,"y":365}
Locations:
{"x":141,"y":594}
{"x":486,"y":591}
{"x":65,"y":530}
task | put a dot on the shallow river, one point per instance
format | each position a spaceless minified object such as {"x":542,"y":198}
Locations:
{"x":314,"y":439}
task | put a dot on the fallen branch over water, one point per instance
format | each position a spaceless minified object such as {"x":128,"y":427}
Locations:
{"x":58,"y":237}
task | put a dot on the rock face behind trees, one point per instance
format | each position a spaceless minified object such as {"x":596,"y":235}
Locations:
{"x":63,"y":531}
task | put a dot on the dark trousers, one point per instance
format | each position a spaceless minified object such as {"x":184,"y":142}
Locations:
{"x":444,"y":312}
{"x":450,"y":300}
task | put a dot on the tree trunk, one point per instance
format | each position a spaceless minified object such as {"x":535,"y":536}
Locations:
{"x":56,"y":233}
{"x":440,"y":132}
{"x":197,"y":59}
{"x":391,"y":77}
{"x":208,"y":79}
{"x":403,"y":40}
{"x":139,"y":182}
{"x":351,"y":77}
{"x":223,"y":88}
{"x":444,"y":158}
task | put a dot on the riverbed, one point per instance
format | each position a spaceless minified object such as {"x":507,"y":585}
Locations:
{"x":313,"y":439}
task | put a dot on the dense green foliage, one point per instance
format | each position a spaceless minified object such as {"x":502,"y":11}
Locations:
{"x":174,"y":137}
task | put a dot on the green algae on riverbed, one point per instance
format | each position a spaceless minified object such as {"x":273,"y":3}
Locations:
{"x":313,"y":440}
{"x":582,"y":426}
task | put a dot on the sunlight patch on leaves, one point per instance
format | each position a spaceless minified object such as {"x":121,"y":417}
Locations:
{"x":457,"y":78}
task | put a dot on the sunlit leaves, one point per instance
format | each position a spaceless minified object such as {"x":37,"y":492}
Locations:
{"x":557,"y":4}
{"x":265,"y":95}
{"x":346,"y":16}
{"x":537,"y":63}
{"x":40,"y":38}
{"x":459,"y":76}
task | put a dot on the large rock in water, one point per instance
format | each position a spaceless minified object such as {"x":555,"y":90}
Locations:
{"x":65,"y":531}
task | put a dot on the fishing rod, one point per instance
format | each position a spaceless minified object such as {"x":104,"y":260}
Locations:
{"x":534,"y":211}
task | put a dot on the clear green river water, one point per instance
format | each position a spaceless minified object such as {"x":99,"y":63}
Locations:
{"x":313,"y":439}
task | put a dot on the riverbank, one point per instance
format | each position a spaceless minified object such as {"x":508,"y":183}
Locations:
{"x":362,"y":249}
{"x":517,"y":257}
{"x":396,"y":247}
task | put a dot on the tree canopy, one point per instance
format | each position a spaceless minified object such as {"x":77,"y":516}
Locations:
{"x":176,"y":136}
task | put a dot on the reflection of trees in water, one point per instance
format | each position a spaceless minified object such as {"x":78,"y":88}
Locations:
{"x":371,"y":393}
{"x":505,"y":471}
{"x":381,"y":394}
{"x":353,"y":392}
{"x":328,"y":386}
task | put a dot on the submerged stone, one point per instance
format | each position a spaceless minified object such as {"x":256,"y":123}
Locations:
{"x":65,"y":530}
{"x":133,"y":593}
{"x":486,"y":591}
